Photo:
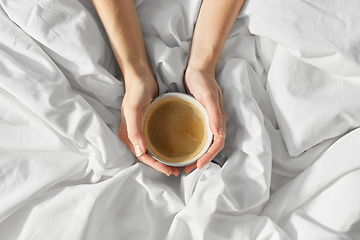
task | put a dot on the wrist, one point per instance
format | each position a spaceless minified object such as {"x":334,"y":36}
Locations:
{"x":135,"y":68}
{"x":199,"y":68}
{"x":141,"y":80}
{"x":134,"y":73}
{"x":204,"y":59}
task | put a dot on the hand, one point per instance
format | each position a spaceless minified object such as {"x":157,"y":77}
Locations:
{"x":139,"y":93}
{"x":203,"y":86}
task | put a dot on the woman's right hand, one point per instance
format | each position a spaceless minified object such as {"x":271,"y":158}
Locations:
{"x":139,"y":92}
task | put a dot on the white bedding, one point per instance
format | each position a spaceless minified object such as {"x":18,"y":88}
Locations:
{"x":290,"y":75}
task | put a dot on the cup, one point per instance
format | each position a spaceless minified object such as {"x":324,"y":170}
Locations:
{"x":176,"y":129}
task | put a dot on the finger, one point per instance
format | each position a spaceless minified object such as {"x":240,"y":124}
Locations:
{"x":190,"y":167}
{"x":214,"y":149}
{"x":123,"y":134}
{"x":148,"y":160}
{"x":124,"y":137}
{"x":175,"y":171}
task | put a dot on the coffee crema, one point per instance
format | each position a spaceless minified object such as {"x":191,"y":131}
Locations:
{"x":175,"y":130}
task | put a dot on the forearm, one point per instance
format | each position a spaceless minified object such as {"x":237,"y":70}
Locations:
{"x":121,"y":23}
{"x":215,"y":20}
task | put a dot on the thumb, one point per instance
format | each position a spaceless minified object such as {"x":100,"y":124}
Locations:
{"x":215,"y":114}
{"x":135,"y":135}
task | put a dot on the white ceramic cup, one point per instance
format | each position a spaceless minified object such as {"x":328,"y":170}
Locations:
{"x":208,"y":136}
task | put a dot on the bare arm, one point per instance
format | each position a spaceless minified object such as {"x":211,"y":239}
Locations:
{"x":215,"y":20}
{"x":121,"y":23}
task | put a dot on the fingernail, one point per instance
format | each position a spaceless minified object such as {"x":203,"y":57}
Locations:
{"x":175,"y":174}
{"x":138,"y":150}
{"x":167,"y":174}
{"x":221,"y":132}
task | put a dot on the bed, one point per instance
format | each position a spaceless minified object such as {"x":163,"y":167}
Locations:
{"x":290,"y":76}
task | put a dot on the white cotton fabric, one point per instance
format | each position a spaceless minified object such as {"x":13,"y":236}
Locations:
{"x":289,"y":73}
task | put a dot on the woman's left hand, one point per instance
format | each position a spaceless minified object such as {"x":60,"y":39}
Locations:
{"x":203,"y":86}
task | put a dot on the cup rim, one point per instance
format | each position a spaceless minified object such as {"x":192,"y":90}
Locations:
{"x":209,"y":135}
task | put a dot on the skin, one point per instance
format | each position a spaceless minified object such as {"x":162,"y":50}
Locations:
{"x":214,"y":23}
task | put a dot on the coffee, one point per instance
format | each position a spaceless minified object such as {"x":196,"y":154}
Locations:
{"x":175,"y":130}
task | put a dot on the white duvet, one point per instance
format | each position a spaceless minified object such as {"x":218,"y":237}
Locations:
{"x":290,"y":75}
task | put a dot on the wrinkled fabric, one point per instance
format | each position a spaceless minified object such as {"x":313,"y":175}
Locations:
{"x":289,"y":73}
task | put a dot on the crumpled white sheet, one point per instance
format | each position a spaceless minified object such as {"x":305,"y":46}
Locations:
{"x":289,"y":74}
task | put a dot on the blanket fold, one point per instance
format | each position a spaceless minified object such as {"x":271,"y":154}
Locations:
{"x":289,"y":75}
